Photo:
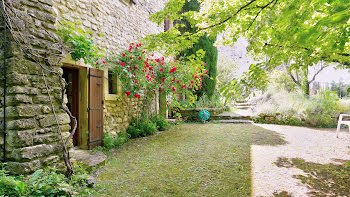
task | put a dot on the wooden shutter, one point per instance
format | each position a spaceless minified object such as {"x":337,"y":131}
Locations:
{"x":95,"y":107}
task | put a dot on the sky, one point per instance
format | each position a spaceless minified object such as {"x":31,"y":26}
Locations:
{"x":331,"y":74}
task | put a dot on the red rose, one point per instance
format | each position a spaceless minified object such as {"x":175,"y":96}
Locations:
{"x":96,"y":63}
{"x":132,"y":43}
{"x":163,"y":79}
{"x":150,"y":68}
{"x":191,"y":81}
{"x":123,"y":64}
{"x":173,"y":70}
{"x":131,"y":63}
{"x":132,"y":77}
{"x":135,"y":81}
{"x":178,"y":82}
{"x":161,"y":69}
{"x":137,"y":96}
{"x":135,"y":67}
{"x":127,"y":93}
{"x":184,"y":86}
{"x":206,"y":71}
{"x":140,"y":58}
{"x":123,"y":54}
{"x":103,"y":62}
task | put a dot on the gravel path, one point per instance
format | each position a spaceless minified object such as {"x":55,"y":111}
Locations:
{"x":312,"y":145}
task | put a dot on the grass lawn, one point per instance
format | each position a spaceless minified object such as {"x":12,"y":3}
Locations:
{"x":187,"y":160}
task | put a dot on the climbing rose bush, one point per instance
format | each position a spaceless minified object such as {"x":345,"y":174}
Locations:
{"x":139,"y":71}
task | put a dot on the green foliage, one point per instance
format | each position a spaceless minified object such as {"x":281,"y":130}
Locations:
{"x":148,"y":128}
{"x":206,"y":44}
{"x":11,"y":185}
{"x":280,"y":80}
{"x":44,"y":183}
{"x":141,"y":127}
{"x":48,"y":183}
{"x":302,"y":32}
{"x":141,"y":74}
{"x":282,"y":107}
{"x":79,"y":43}
{"x":256,"y":78}
{"x":162,"y":123}
{"x":226,"y":70}
{"x":111,"y":142}
{"x":134,"y":131}
{"x":205,"y":102}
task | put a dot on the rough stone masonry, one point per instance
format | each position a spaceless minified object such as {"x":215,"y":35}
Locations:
{"x":33,"y":140}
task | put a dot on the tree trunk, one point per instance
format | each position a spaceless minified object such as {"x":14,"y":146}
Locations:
{"x":307,"y":89}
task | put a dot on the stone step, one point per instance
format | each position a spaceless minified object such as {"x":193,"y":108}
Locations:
{"x":241,"y":101}
{"x":243,"y":104}
{"x":89,"y":159}
{"x":231,"y":117}
{"x":233,"y":121}
{"x":242,"y":107}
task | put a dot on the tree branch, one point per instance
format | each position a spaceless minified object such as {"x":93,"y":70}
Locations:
{"x":320,"y":56}
{"x":318,"y":72}
{"x":293,"y":78}
{"x":261,"y":9}
{"x":227,"y":19}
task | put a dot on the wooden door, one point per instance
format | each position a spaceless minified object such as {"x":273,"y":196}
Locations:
{"x":71,"y":75}
{"x":95,"y":108}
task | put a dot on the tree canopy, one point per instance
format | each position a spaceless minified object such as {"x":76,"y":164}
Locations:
{"x":305,"y":32}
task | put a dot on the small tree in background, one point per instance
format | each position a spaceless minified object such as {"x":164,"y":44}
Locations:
{"x":207,"y":44}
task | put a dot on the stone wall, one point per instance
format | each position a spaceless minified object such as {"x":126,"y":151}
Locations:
{"x":120,"y":22}
{"x":33,"y":139}
{"x":32,"y":133}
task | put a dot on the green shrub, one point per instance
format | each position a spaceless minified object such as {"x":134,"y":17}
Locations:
{"x":122,"y":138}
{"x":143,"y":127}
{"x":48,"y":183}
{"x":110,"y":142}
{"x":44,"y":183}
{"x":10,"y":185}
{"x":147,"y":127}
{"x":134,"y":131}
{"x":162,"y":123}
{"x":293,"y":108}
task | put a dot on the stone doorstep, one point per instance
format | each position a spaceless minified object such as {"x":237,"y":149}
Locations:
{"x":88,"y":158}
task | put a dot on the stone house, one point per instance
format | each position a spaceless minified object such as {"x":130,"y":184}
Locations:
{"x":31,"y":97}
